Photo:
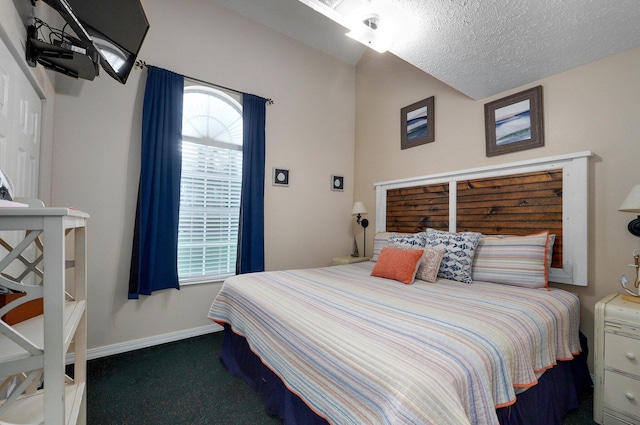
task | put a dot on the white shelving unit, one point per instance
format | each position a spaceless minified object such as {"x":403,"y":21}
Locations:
{"x":36,"y":263}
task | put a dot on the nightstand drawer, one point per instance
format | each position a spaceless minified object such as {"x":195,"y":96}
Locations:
{"x":622,"y":353}
{"x":622,"y":393}
{"x":610,"y":420}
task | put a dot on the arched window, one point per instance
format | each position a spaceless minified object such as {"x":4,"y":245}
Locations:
{"x":210,"y":185}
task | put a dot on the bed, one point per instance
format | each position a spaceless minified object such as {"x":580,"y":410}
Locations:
{"x":358,"y":344}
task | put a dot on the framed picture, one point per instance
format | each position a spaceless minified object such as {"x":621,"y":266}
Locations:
{"x":337,"y":183}
{"x":280,"y":177}
{"x":417,"y":123}
{"x":514,"y":123}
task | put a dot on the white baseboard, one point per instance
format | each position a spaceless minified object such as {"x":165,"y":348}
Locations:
{"x":123,"y":347}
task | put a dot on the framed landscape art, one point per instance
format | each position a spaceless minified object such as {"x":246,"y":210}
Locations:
{"x":514,"y":123}
{"x":417,"y":123}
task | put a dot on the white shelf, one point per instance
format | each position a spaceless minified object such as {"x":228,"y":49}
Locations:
{"x":41,"y":212}
{"x":73,"y":312}
{"x":13,"y":357}
{"x":42,"y":342}
{"x":11,"y":204}
{"x":33,"y":331}
{"x":29,"y":409}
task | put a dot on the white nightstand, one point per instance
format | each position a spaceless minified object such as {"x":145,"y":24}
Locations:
{"x":347,"y":259}
{"x":617,"y":361}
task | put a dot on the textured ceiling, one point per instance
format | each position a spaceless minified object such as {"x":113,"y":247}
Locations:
{"x":479,"y":47}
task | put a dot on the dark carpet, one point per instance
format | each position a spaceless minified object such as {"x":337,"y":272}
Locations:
{"x":184,"y":382}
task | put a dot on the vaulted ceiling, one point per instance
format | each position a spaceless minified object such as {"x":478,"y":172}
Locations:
{"x":479,"y":47}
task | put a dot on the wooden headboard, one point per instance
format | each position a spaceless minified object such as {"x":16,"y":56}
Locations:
{"x":509,"y":199}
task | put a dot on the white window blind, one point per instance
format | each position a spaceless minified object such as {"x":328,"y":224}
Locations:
{"x":210,"y":186}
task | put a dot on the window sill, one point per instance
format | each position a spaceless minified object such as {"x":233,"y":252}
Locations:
{"x":198,"y":281}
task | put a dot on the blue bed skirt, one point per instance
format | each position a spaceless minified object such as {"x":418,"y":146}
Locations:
{"x":544,"y":404}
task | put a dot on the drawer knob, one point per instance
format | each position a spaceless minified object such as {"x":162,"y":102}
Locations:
{"x":630,"y":396}
{"x":631,"y":356}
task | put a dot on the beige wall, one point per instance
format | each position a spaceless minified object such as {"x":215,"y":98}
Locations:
{"x":594,"y":107}
{"x":310,"y":130}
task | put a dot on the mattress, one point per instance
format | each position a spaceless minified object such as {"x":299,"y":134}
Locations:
{"x":359,"y":349}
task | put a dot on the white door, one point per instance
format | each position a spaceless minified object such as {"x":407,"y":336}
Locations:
{"x":20,"y":115}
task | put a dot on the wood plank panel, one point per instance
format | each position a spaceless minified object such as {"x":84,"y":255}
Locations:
{"x":413,"y":209}
{"x":518,"y":204}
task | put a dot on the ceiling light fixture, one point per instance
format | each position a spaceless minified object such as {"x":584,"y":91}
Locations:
{"x":360,"y":17}
{"x":368,"y":32}
{"x":372,"y":21}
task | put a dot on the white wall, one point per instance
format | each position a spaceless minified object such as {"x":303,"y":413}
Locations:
{"x":594,"y":107}
{"x":310,"y":130}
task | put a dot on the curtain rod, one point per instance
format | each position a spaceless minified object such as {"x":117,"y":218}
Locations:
{"x":142,"y":64}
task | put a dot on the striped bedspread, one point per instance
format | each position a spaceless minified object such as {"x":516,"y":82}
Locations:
{"x":365,"y":350}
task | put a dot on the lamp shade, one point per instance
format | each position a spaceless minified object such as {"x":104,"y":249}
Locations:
{"x":359,"y":208}
{"x":632,"y":202}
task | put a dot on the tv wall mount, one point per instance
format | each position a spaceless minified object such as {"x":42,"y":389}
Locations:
{"x":63,"y":53}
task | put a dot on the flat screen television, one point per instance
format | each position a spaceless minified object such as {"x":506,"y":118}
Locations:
{"x":114,"y":28}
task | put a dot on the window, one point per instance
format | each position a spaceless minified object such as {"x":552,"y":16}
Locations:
{"x":210,"y":185}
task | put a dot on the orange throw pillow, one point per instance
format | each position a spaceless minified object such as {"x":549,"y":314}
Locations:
{"x":398,"y":264}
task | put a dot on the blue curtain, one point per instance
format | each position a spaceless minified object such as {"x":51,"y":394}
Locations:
{"x":155,"y":246}
{"x":250,"y":256}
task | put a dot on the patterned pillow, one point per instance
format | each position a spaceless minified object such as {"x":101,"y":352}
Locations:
{"x":459,"y":249}
{"x":429,"y":263}
{"x":513,"y":260}
{"x":411,"y":240}
{"x":398,"y":264}
{"x":382,"y":239}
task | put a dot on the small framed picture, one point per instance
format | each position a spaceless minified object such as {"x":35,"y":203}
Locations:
{"x":417,"y":123}
{"x":514,"y":123}
{"x":280,"y":177}
{"x":337,"y":183}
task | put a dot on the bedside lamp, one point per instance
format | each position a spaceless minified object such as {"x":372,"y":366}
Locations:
{"x":359,"y":210}
{"x":632,"y":204}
